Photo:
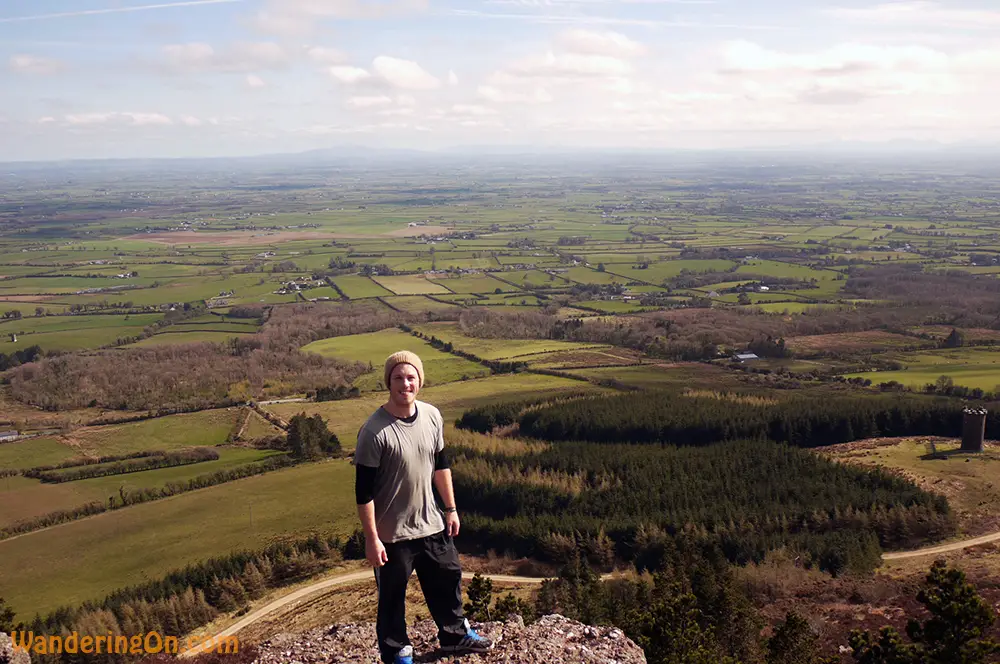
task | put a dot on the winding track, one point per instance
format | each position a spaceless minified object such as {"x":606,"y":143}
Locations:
{"x":355,"y":577}
{"x":943,"y":548}
{"x":340,"y":580}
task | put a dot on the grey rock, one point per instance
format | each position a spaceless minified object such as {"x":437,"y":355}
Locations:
{"x":7,"y":653}
{"x":547,"y":641}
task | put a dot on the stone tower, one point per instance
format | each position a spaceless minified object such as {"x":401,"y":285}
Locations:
{"x":973,"y":429}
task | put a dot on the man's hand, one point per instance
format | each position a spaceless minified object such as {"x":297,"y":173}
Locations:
{"x":451,"y":523}
{"x":375,"y":552}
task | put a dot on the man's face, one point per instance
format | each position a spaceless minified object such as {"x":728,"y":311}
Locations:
{"x":404,"y":383}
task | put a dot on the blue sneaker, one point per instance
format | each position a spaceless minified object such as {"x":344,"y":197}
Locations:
{"x":470,"y":643}
{"x":404,"y":656}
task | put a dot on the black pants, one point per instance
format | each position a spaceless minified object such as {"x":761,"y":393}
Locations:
{"x":436,"y":561}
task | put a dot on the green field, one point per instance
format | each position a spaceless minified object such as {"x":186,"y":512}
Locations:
{"x":169,"y":337}
{"x":419,"y":303}
{"x":83,"y":560}
{"x":71,"y":332}
{"x":24,"y":498}
{"x":357,"y":287}
{"x":794,"y":307}
{"x":373,"y":348}
{"x":498,"y":349}
{"x":411,"y":285}
{"x":204,"y":428}
{"x":968,"y":367}
{"x":34,"y":452}
{"x":474,"y":284}
{"x":346,"y":417}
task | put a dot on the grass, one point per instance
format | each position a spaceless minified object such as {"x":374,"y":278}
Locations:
{"x":171,"y":337}
{"x":659,"y":376}
{"x":84,"y":560}
{"x":967,"y":480}
{"x":345,"y":417}
{"x":25,"y":498}
{"x":794,"y":307}
{"x":356,"y":287}
{"x":258,"y":427}
{"x":615,"y":306}
{"x":373,"y":348}
{"x":657,"y":272}
{"x":498,"y":349}
{"x":71,"y":332}
{"x":34,"y":452}
{"x":474,"y":284}
{"x":411,"y":285}
{"x":970,"y":367}
{"x":207,"y":427}
{"x":418,"y":303}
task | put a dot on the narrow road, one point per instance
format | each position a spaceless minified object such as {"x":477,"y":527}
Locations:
{"x":943,"y":548}
{"x":367,"y":575}
{"x":343,"y":579}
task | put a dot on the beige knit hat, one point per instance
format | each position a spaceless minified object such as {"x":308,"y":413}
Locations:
{"x":403,"y":357}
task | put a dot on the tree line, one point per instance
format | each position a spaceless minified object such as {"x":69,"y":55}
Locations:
{"x":803,"y":421}
{"x":746,"y":497}
{"x":124,"y":466}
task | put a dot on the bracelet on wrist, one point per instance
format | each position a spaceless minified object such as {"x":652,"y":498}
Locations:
{"x":449,"y":510}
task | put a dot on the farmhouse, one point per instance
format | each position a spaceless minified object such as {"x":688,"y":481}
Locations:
{"x":7,"y":436}
{"x":746,"y":357}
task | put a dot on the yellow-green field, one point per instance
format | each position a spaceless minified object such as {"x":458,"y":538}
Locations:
{"x":204,"y":428}
{"x":970,"y":367}
{"x":23,"y":498}
{"x":84,"y":560}
{"x":373,"y":348}
{"x":411,"y":285}
{"x":498,"y":349}
{"x":34,"y":452}
{"x":345,"y":417}
{"x":969,"y":481}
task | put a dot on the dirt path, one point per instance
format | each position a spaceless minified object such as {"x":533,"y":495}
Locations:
{"x":341,"y":580}
{"x":943,"y":548}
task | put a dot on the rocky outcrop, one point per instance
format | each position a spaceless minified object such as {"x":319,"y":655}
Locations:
{"x":551,"y":640}
{"x":7,"y":653}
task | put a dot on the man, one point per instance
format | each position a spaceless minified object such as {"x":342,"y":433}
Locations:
{"x":400,"y":460}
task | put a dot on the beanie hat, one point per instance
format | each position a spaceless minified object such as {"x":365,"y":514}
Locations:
{"x":404,"y":357}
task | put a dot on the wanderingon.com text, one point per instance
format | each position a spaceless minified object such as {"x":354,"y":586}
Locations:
{"x":150,"y":643}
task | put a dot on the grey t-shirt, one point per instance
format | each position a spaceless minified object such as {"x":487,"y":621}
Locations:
{"x":404,"y":455}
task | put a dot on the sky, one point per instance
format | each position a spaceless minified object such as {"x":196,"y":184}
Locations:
{"x":191,"y":78}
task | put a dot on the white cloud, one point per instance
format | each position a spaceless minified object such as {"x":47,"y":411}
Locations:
{"x":589,"y":42}
{"x":299,"y":17}
{"x":536,"y":95}
{"x":238,"y":57}
{"x":472,"y":109}
{"x":325,"y":55}
{"x":23,"y":63}
{"x":570,"y":65}
{"x":194,"y":54}
{"x":397,"y":112}
{"x":452,"y":78}
{"x":348,"y":74}
{"x":368,"y":102}
{"x":122,"y":118}
{"x":190,"y":121}
{"x":254,"y":81}
{"x":920,"y":13}
{"x":404,"y":74}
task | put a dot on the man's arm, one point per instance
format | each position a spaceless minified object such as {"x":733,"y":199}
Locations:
{"x":364,"y":489}
{"x":442,"y":482}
